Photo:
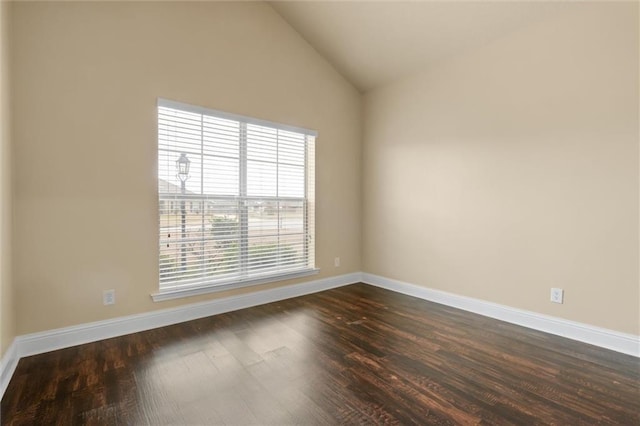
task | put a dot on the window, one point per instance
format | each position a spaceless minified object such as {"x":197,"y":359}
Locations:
{"x":236,"y":200}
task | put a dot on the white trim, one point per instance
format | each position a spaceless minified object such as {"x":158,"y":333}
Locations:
{"x":177,"y":293}
{"x":50,"y":340}
{"x":32,"y":344}
{"x":8,"y":365}
{"x":605,"y":338}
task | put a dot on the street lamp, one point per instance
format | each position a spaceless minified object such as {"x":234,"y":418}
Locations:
{"x":182,"y":164}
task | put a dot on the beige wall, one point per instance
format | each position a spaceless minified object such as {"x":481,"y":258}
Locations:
{"x":496,"y":175}
{"x":85,"y":89}
{"x":7,"y":330}
{"x":513,"y":168}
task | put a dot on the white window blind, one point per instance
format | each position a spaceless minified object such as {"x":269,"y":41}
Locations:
{"x":244,"y":210}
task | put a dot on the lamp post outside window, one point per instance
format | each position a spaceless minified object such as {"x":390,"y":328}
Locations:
{"x":182,"y":164}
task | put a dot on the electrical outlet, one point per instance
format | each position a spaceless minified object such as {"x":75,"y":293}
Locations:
{"x":336,"y":262}
{"x":557,"y":295}
{"x":109,"y":297}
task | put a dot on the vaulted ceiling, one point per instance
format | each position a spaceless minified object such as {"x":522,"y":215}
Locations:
{"x":374,"y":43}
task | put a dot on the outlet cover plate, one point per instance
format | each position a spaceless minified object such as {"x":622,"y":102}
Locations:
{"x":109,"y":297}
{"x":557,"y":295}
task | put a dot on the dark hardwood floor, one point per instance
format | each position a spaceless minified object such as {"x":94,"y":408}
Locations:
{"x":353,"y":355}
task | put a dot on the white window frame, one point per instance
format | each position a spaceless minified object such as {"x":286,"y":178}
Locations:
{"x":195,"y":287}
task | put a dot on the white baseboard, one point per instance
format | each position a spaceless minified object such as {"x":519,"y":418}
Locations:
{"x":609,"y":339}
{"x":36,"y":343}
{"x":8,"y":365}
{"x":32,"y":344}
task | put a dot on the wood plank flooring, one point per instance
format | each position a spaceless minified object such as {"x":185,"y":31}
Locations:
{"x":352,"y":355}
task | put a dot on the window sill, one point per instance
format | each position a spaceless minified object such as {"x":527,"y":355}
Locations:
{"x":218,"y":287}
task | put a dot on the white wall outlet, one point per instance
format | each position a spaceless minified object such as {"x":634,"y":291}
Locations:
{"x":557,"y":295}
{"x":109,"y":297}
{"x":336,"y":261}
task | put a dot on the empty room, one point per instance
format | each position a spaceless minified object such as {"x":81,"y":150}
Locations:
{"x":319,"y":212}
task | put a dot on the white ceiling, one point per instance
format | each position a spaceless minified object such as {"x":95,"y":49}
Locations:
{"x":373,"y":43}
